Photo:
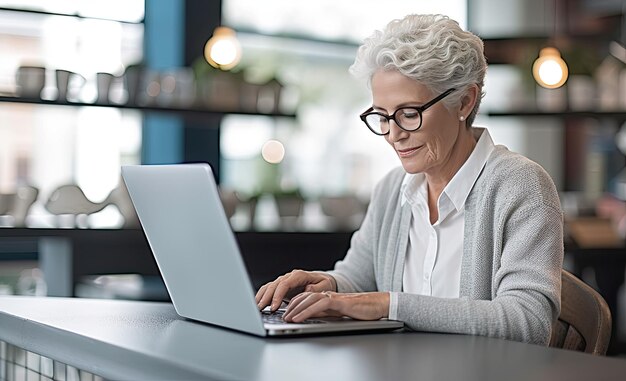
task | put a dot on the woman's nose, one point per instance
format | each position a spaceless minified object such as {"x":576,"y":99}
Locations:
{"x":395,"y":132}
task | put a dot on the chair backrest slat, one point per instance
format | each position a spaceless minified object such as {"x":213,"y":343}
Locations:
{"x":585,"y":320}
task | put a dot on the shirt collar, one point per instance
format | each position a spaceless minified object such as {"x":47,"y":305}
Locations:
{"x":458,"y":189}
{"x":413,"y":188}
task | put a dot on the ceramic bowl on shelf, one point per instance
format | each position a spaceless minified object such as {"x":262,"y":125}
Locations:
{"x":17,"y":205}
{"x":63,"y":80}
{"x":30,"y":81}
{"x":103,"y":83}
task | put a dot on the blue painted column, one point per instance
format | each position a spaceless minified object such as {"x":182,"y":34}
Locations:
{"x":164,"y":35}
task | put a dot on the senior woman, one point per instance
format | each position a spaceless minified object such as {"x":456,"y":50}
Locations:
{"x":465,"y":237}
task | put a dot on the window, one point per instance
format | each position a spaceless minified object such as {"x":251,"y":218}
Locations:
{"x":48,"y":146}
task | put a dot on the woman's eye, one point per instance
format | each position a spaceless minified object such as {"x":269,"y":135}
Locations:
{"x":409,"y":114}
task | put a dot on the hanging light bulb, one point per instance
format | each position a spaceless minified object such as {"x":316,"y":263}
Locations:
{"x":550,"y":70}
{"x":223,"y":50}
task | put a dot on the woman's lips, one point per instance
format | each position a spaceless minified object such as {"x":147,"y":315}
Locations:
{"x":407,"y":151}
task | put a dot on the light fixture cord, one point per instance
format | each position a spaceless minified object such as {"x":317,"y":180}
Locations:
{"x":556,"y":19}
{"x":623,"y":24}
{"x":558,"y":6}
{"x":551,"y":31}
{"x":546,"y":28}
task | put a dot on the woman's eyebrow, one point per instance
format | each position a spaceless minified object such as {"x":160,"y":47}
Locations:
{"x":405,"y":104}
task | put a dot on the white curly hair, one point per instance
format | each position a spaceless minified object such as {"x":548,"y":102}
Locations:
{"x":431,"y":49}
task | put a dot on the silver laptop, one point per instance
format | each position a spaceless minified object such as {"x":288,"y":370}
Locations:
{"x":197,"y":254}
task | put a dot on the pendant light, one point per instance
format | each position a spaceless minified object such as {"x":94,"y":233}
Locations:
{"x":223,"y":50}
{"x":549,"y":69}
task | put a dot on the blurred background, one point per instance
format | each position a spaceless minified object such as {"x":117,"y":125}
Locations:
{"x":261,"y":92}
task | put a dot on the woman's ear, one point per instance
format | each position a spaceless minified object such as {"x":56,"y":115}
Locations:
{"x":469,"y":100}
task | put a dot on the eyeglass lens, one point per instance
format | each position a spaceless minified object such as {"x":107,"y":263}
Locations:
{"x":407,"y":118}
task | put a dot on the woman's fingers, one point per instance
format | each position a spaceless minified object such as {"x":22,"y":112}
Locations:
{"x":315,"y":304}
{"x":293,"y":283}
{"x":361,"y":306}
{"x":268,"y":294}
{"x":307,"y":305}
{"x":295,"y":301}
{"x":286,"y":285}
{"x":260,"y":293}
{"x":273,"y":293}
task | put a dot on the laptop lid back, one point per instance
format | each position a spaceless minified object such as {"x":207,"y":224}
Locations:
{"x":192,"y":242}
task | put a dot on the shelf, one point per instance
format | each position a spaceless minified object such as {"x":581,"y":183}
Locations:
{"x":74,"y":15}
{"x":562,"y":114}
{"x":192,"y":111}
{"x":516,"y":50}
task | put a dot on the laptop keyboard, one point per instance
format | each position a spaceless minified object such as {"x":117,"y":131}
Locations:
{"x":276,"y":317}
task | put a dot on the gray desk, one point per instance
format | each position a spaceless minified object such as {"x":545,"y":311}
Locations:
{"x":145,"y":340}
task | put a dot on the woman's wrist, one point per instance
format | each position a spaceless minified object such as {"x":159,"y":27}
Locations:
{"x":621,"y":227}
{"x":384,"y":304}
{"x":333,"y":282}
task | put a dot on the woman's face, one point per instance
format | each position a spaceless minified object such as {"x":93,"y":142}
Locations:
{"x":427,"y":149}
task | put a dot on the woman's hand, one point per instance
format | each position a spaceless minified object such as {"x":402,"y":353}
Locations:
{"x":362,"y":306}
{"x":291,"y":284}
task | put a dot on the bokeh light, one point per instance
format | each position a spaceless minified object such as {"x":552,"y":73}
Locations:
{"x":273,"y":151}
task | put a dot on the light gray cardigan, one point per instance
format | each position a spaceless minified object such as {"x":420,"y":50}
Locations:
{"x":512,"y":255}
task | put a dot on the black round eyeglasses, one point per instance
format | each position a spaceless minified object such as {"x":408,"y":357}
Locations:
{"x":407,"y":118}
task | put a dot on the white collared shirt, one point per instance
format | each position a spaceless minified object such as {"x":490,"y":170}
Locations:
{"x":434,"y":252}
